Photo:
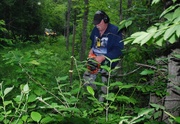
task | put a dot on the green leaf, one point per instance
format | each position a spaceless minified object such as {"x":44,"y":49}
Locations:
{"x":126,"y":86}
{"x":178,"y":30}
{"x":128,"y":23}
{"x":157,"y":106}
{"x":126,"y":99}
{"x":176,"y":13}
{"x":176,"y":20}
{"x":99,"y":83}
{"x":116,"y":84}
{"x":155,"y":2}
{"x":157,"y":114}
{"x":168,"y":10}
{"x":110,"y":97}
{"x":7,"y":103}
{"x":36,"y":116}
{"x":159,"y":41}
{"x":169,"y":32}
{"x":137,"y":34}
{"x":147,"y":72}
{"x":58,"y":79}
{"x":172,"y":39}
{"x":32,"y":98}
{"x":128,"y":40}
{"x":145,"y":112}
{"x":152,"y":29}
{"x":8,"y":112}
{"x":159,"y":33}
{"x":147,"y":38}
{"x":26,"y":89}
{"x":169,"y":16}
{"x":90,"y":90}
{"x":177,"y":119}
{"x":47,"y":120}
{"x":34,"y":62}
{"x":24,"y":118}
{"x":141,"y":36}
{"x":7,"y":90}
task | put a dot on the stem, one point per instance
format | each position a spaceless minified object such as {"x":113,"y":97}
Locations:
{"x":63,"y":96}
{"x":38,"y":83}
{"x":22,"y":108}
{"x":80,"y":85}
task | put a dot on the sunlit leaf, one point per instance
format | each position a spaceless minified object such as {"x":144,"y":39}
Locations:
{"x":137,"y":34}
{"x":147,"y":38}
{"x":32,"y":98}
{"x":157,"y":106}
{"x":24,"y":118}
{"x":176,"y":20}
{"x":155,"y":1}
{"x":169,"y":32}
{"x":34,"y":62}
{"x":141,"y":37}
{"x":7,"y":103}
{"x":147,"y":72}
{"x":178,"y":30}
{"x":36,"y":116}
{"x":90,"y":90}
{"x":168,"y":10}
{"x":7,"y":90}
{"x":128,"y":23}
{"x":145,"y":112}
{"x":176,"y":13}
{"x":172,"y":39}
{"x":159,"y":41}
{"x":26,"y":88}
{"x":152,"y":29}
{"x":159,"y":33}
{"x":169,"y":16}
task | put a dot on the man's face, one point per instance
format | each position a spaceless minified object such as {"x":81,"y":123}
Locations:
{"x":101,"y":26}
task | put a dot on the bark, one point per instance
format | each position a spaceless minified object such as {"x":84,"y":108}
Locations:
{"x":84,"y":31}
{"x":120,"y":10}
{"x":68,"y":24}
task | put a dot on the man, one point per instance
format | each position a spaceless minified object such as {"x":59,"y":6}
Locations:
{"x":106,"y":42}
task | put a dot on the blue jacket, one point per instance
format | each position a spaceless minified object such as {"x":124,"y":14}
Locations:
{"x":111,"y":43}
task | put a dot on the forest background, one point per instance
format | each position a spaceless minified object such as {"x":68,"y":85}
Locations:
{"x":41,"y":75}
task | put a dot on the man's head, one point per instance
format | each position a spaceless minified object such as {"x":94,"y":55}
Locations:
{"x":99,"y":16}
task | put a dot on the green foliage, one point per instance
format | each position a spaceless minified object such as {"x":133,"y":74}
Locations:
{"x":35,"y":87}
{"x":160,"y":32}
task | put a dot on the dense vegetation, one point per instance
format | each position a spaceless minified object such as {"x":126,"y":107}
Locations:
{"x":41,"y":76}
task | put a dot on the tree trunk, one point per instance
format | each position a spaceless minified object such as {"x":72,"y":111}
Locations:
{"x":120,"y":10}
{"x":84,"y":31}
{"x":172,"y":101}
{"x":68,"y":24}
{"x":129,"y":4}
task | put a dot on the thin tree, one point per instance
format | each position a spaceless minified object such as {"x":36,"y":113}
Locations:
{"x":68,"y":24}
{"x":84,"y":32}
{"x":72,"y":54}
{"x":120,"y":10}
